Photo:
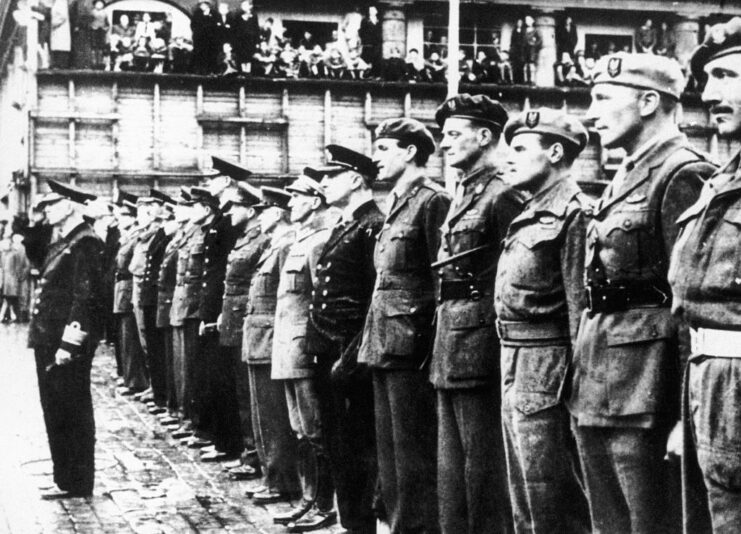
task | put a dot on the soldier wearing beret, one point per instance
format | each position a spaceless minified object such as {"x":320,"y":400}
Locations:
{"x":241,"y":265}
{"x":65,"y":328}
{"x":146,"y":257}
{"x":274,"y":440}
{"x":339,"y":303}
{"x":295,"y":366}
{"x":465,"y":359}
{"x":398,"y":332}
{"x":705,"y":276}
{"x":133,"y":364}
{"x":539,"y":301}
{"x":629,"y":355}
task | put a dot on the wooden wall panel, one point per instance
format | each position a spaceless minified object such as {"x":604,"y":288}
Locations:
{"x":53,"y":97}
{"x":93,"y":146}
{"x":135,"y":104}
{"x":306,"y":130}
{"x":178,"y":128}
{"x":51,"y":145}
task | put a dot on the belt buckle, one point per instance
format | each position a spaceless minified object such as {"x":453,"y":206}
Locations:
{"x":475,"y":294}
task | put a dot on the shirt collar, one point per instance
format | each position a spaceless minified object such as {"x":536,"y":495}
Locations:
{"x":647,"y":147}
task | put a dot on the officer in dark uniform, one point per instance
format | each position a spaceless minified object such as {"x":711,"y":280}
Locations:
{"x":174,"y":228}
{"x":539,"y":301}
{"x":295,"y":366}
{"x":398,"y":332}
{"x":472,"y":482}
{"x":132,"y":355}
{"x":145,"y":262}
{"x":65,"y":328}
{"x":628,"y":357}
{"x":339,"y":303}
{"x":240,"y":267}
{"x":705,"y":276}
{"x":274,"y":440}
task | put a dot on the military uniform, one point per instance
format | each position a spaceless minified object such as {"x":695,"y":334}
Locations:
{"x":274,"y":440}
{"x":397,"y":338}
{"x":145,"y":261}
{"x":132,"y":354}
{"x":465,"y":361}
{"x":627,"y":358}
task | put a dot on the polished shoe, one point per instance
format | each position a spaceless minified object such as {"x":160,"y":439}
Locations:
{"x":170,"y":421}
{"x":119,"y":381}
{"x":314,"y":519}
{"x":243,"y":472}
{"x":254,"y":490}
{"x":216,"y":456}
{"x":292,"y":515}
{"x":198,"y":443}
{"x":156,"y":410}
{"x":140,"y":394}
{"x":55,"y":494}
{"x":208,"y":448}
{"x":231,"y":465}
{"x":124,"y":391}
{"x":181,"y":432}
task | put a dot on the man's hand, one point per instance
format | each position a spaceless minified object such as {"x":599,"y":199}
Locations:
{"x":201,"y":328}
{"x":675,"y":443}
{"x":62,"y":357}
{"x":218,"y":323}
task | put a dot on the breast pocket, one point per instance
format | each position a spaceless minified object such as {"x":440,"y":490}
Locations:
{"x":195,"y":262}
{"x":723,"y":271}
{"x":296,"y":272}
{"x":404,"y":242}
{"x":626,"y":242}
{"x":538,"y":253}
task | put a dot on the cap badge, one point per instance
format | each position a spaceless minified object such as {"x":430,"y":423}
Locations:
{"x":614,"y":66}
{"x":532,"y":119}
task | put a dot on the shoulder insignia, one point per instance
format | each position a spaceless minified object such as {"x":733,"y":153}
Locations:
{"x":547,"y":219}
{"x":636,"y":198}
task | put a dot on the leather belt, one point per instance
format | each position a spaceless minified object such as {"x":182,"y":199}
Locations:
{"x":120,"y":277}
{"x":461,"y":289}
{"x":526,"y":331}
{"x":620,"y":297}
{"x":718,"y":343}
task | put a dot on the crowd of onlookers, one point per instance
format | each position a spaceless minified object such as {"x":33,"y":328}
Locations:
{"x":14,"y":274}
{"x":232,"y":42}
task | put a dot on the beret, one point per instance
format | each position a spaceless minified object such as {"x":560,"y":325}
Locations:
{"x":230,"y":168}
{"x":305,"y":185}
{"x":204,"y":196}
{"x":641,"y":71}
{"x":548,"y":121}
{"x":274,"y":197}
{"x":244,"y":195}
{"x":476,"y":107}
{"x":408,"y":131}
{"x":722,"y":40}
{"x":61,"y":191}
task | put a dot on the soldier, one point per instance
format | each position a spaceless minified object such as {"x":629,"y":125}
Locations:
{"x":471,"y":477}
{"x":398,"y":333}
{"x":132,"y":355}
{"x":275,"y":443}
{"x":145,"y":262}
{"x":339,"y":303}
{"x":240,"y":267}
{"x":297,"y":368}
{"x":64,"y":333}
{"x":627,"y":357}
{"x":539,"y":301}
{"x":705,"y":275}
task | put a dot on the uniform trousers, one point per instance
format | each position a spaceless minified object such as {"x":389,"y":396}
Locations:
{"x":406,"y":436}
{"x":471,"y":476}
{"x":203,"y":356}
{"x":171,"y":394}
{"x":154,"y":351}
{"x":543,"y":471}
{"x":244,"y":402}
{"x":67,"y":406}
{"x":714,"y":402}
{"x":304,"y":412}
{"x":184,"y":345}
{"x":116,"y":338}
{"x":227,"y":425}
{"x":630,"y":488}
{"x":274,"y":440}
{"x":132,"y":355}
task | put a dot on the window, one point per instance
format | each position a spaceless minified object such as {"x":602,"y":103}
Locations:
{"x":320,"y":31}
{"x":479,"y":30}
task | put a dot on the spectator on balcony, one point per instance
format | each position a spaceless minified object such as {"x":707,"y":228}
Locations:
{"x":532,"y":46}
{"x":205,"y":45}
{"x":99,"y":29}
{"x":587,"y":73}
{"x":666,"y":41}
{"x":335,"y":63}
{"x":481,"y":66}
{"x":158,"y":56}
{"x":263,"y":60}
{"x":223,"y":24}
{"x":566,"y":37}
{"x":567,"y":72}
{"x":60,"y":40}
{"x":504,"y":68}
{"x":316,"y":65}
{"x":227,"y":63}
{"x":144,"y":29}
{"x":334,"y":44}
{"x":435,"y":68}
{"x":245,"y":36}
{"x":394,"y":67}
{"x":357,"y":69}
{"x":350,"y":33}
{"x":163,"y":28}
{"x":308,"y":41}
{"x":415,"y":66}
{"x":122,"y":40}
{"x":465,"y":68}
{"x":180,"y":50}
{"x":646,"y":38}
{"x":517,"y":50}
{"x":81,"y":19}
{"x":372,"y":40}
{"x":288,"y":61}
{"x":141,"y":54}
{"x":593,"y":51}
{"x":42,"y":13}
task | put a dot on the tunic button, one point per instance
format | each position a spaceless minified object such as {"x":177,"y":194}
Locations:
{"x":324,"y":293}
{"x":327,"y":279}
{"x":204,"y":284}
{"x":311,"y":306}
{"x":324,"y":306}
{"x":329,"y":264}
{"x":627,"y":223}
{"x":36,"y":312}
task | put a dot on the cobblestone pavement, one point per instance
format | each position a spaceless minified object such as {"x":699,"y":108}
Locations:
{"x":145,"y":481}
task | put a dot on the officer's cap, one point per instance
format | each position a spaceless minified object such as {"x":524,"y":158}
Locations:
{"x":184,"y":198}
{"x":162,"y":198}
{"x":274,"y":197}
{"x":61,"y":191}
{"x":722,"y":40}
{"x":341,"y":160}
{"x":304,"y":185}
{"x":408,"y":132}
{"x":230,"y":168}
{"x":549,"y":122}
{"x":204,"y":196}
{"x":479,"y":108}
{"x":244,"y":195}
{"x":641,"y":71}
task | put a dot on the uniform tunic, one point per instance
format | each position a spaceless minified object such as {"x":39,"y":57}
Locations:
{"x":539,"y":292}
{"x":705,"y":276}
{"x":627,"y":358}
{"x":69,"y":292}
{"x":397,"y":338}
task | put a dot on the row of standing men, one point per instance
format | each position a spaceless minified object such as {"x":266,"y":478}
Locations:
{"x":506,"y":359}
